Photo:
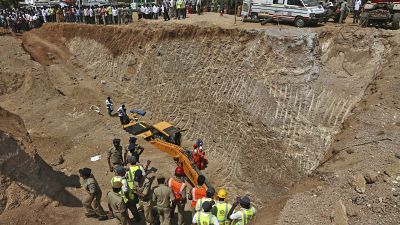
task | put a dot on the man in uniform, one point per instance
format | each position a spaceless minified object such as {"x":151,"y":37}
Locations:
{"x":222,"y":208}
{"x":133,"y":149}
{"x":245,"y":214}
{"x":209,"y":198}
{"x":114,"y":156}
{"x":178,"y":187}
{"x":120,"y":177}
{"x":143,"y":191}
{"x":163,"y":197}
{"x":117,"y":205}
{"x":92,"y":201}
{"x":197,"y":192}
{"x":204,"y":217}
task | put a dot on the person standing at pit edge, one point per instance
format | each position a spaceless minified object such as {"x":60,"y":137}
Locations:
{"x":245,"y":214}
{"x":92,"y":201}
{"x":109,"y":105}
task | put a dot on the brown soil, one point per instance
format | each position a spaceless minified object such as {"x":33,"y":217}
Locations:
{"x":272,"y":105}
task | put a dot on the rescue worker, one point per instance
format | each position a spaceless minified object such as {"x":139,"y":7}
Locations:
{"x":133,"y":198}
{"x":143,"y":191}
{"x":114,"y":155}
{"x":222,"y":208}
{"x":245,"y":214}
{"x":163,"y":197}
{"x":178,"y":187}
{"x":117,"y":205}
{"x":120,"y":177}
{"x":197,"y":192}
{"x":133,"y":149}
{"x":123,"y":117}
{"x":92,"y":201}
{"x":208,"y":198}
{"x":205,"y":217}
{"x":109,"y":105}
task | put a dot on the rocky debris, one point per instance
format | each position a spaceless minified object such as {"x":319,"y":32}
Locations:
{"x":339,"y":214}
{"x":371,"y":177}
{"x":393,"y":170}
{"x":358,"y":183}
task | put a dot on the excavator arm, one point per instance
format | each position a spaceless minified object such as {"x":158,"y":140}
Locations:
{"x":181,"y":158}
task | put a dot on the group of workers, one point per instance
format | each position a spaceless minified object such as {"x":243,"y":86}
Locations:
{"x":132,"y":189}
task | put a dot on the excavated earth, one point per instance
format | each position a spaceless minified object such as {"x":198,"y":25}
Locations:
{"x":293,"y":118}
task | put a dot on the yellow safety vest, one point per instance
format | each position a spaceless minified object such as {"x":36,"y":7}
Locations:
{"x":200,"y":202}
{"x":204,"y":218}
{"x":131,"y":178}
{"x":247,"y":215}
{"x":122,"y":194}
{"x":222,"y":212}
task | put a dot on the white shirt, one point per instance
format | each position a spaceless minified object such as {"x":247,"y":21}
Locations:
{"x":195,"y":219}
{"x":108,"y":103}
{"x":238,"y":216}
{"x":155,"y":9}
{"x":115,"y":12}
{"x":357,"y":5}
{"x":121,"y":111}
{"x":90,"y":12}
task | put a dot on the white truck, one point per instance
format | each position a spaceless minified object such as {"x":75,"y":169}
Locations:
{"x":301,"y":12}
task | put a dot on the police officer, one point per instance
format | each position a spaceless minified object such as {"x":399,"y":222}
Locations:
{"x":245,"y":214}
{"x":133,"y":149}
{"x":222,"y":208}
{"x":92,"y":201}
{"x":205,"y":217}
{"x":163,"y":197}
{"x":117,"y":205}
{"x":114,"y":155}
{"x":143,"y":191}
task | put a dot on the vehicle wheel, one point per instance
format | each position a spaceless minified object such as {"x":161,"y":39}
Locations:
{"x":396,"y":21}
{"x":364,"y":22}
{"x":254,"y":17}
{"x":299,"y":22}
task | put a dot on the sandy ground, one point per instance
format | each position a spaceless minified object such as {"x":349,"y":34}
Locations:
{"x":338,"y":73}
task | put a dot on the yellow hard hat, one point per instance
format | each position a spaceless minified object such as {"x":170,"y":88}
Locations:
{"x":117,"y":184}
{"x":222,"y":193}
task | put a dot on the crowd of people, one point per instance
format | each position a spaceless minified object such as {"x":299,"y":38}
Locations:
{"x":132,"y":189}
{"x":24,"y":19}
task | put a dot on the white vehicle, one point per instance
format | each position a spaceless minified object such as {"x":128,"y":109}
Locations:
{"x":301,"y":12}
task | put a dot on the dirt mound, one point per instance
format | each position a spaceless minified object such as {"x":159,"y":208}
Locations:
{"x":24,"y":176}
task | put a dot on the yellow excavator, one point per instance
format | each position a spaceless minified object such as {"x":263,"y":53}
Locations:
{"x":167,"y":138}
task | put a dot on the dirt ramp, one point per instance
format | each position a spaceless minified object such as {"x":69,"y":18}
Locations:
{"x":24,"y":175}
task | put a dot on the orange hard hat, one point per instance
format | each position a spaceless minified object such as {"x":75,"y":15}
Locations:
{"x":194,"y":146}
{"x":179,"y":171}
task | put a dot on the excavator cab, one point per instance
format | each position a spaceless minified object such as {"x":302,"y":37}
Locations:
{"x":167,"y":132}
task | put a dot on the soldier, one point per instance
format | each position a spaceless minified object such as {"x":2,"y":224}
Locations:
{"x":92,"y":201}
{"x":117,"y":205}
{"x":133,"y":149}
{"x":114,"y":156}
{"x":163,"y":197}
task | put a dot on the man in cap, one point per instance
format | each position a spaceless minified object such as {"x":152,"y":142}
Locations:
{"x":92,"y":201}
{"x":117,"y":205}
{"x":120,"y":177}
{"x":208,"y":198}
{"x":205,"y":217}
{"x":245,"y":214}
{"x":178,"y":187}
{"x":133,"y":149}
{"x":163,"y":197}
{"x":114,"y":155}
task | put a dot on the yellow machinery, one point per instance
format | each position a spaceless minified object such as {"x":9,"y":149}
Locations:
{"x":167,"y":138}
